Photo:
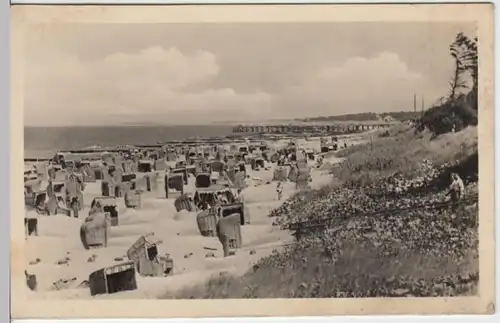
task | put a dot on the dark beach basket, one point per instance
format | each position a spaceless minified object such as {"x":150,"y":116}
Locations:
{"x":113,"y":279}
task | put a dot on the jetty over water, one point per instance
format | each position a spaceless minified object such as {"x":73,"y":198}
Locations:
{"x":310,"y":127}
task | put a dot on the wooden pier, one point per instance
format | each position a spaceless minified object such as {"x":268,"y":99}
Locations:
{"x":310,"y":128}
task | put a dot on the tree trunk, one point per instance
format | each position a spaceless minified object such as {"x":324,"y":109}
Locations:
{"x":455,"y":80}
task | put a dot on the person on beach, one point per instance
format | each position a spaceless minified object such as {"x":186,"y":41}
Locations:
{"x":281,"y":159}
{"x":238,"y":196}
{"x":279,"y":190}
{"x":457,"y":189}
{"x":51,"y":170}
{"x":223,"y":199}
{"x":72,"y":190}
{"x":96,"y":208}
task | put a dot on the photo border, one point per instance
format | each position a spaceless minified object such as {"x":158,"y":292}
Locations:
{"x":137,"y":308}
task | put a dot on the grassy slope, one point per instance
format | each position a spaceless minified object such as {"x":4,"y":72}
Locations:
{"x":403,"y":152}
{"x":305,"y":271}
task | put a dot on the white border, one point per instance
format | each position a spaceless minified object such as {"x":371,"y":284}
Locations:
{"x":5,"y":147}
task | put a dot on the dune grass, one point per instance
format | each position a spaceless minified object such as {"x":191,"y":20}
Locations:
{"x":402,"y":152}
{"x":359,"y":272}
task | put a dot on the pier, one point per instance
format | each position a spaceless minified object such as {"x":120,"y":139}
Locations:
{"x":310,"y":128}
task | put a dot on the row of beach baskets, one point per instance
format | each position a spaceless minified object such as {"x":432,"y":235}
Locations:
{"x":147,"y":183}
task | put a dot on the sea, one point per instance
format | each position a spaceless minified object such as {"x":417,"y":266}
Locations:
{"x":44,"y":142}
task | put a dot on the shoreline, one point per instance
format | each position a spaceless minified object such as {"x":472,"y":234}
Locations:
{"x":31,"y":155}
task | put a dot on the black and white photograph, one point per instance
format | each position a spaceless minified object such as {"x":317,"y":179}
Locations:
{"x":244,"y":158}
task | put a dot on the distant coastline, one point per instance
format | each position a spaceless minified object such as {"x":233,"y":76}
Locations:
{"x":42,"y":141}
{"x":369,"y":117}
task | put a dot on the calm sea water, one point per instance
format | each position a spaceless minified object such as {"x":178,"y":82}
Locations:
{"x":44,"y":141}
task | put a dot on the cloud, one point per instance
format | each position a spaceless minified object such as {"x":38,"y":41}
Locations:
{"x":202,"y":72}
{"x":156,"y":84}
{"x":128,"y":87}
{"x":379,"y":83}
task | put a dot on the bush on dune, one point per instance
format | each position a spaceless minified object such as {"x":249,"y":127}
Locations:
{"x":460,"y":113}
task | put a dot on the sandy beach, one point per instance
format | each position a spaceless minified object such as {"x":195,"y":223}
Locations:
{"x":61,"y":255}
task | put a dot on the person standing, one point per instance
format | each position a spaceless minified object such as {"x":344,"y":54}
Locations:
{"x":51,"y":170}
{"x":457,"y":189}
{"x":223,"y":199}
{"x":51,"y":199}
{"x":239,"y":197}
{"x":72,"y":190}
{"x":279,"y":190}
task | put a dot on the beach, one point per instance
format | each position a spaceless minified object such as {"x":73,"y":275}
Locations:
{"x":57,"y":252}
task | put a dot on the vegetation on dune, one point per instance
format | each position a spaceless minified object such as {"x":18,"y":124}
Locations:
{"x":381,"y":228}
{"x":358,"y":272}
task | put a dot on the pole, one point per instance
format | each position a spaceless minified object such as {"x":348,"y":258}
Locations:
{"x":422,"y":105}
{"x":414,"y":102}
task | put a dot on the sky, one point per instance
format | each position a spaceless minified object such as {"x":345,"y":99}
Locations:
{"x":95,"y":74}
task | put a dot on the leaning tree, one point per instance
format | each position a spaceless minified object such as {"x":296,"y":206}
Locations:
{"x":464,"y":52}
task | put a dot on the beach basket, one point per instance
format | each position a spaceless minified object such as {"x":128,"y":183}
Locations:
{"x":121,"y":189}
{"x":52,"y":205}
{"x":274,"y":158}
{"x":128,"y":177}
{"x":217,"y":166}
{"x":31,"y":226}
{"x":144,"y":254}
{"x":105,"y":189}
{"x":133,"y":199}
{"x":203,"y":180}
{"x":229,"y":233}
{"x":207,"y":222}
{"x":191,"y":170}
{"x":113,"y":279}
{"x":88,"y":174}
{"x":174,"y":181}
{"x":280,"y":174}
{"x":231,"y":209}
{"x":260,"y":162}
{"x":94,"y":232}
{"x":292,"y":174}
{"x":184,"y":202}
{"x":160,"y":165}
{"x":98,"y":173}
{"x":109,"y":207}
{"x":60,"y":176}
